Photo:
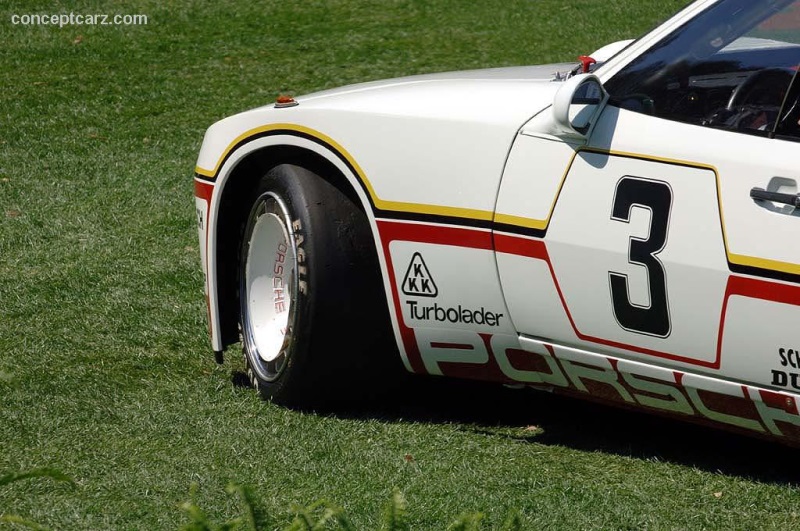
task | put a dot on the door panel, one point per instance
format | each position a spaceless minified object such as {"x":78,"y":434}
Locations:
{"x":645,"y":250}
{"x":637,"y":283}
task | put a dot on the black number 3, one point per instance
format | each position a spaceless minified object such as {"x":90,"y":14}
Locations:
{"x":655,"y":196}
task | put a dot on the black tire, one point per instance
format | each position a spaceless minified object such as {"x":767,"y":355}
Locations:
{"x":307,"y":249}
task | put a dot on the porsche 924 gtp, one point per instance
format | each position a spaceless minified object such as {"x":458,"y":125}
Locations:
{"x":625,"y":228}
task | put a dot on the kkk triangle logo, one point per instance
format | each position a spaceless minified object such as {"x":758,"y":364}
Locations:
{"x":418,"y":281}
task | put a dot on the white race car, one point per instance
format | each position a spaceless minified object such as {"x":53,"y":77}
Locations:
{"x":627,"y":229}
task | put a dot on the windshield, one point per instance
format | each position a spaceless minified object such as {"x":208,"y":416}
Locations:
{"x":738,"y":56}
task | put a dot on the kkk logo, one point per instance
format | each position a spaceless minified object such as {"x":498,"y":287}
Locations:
{"x":418,"y":281}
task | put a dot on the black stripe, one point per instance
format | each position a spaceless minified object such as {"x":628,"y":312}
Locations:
{"x":734,"y":268}
{"x":330,"y":148}
{"x":204,"y":178}
{"x":477,"y":223}
{"x":436,"y":219}
{"x":291,"y":132}
{"x":764,"y":273}
{"x":519,"y":230}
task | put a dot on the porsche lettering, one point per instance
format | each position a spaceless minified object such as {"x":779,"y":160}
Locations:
{"x":585,"y":373}
{"x":277,"y":280}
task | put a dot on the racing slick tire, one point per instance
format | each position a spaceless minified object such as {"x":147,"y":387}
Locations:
{"x":313,"y":316}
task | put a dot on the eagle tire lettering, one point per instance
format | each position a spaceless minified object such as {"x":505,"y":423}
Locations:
{"x":302,"y":267}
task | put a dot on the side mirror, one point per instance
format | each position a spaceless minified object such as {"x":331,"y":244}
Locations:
{"x":578,"y":104}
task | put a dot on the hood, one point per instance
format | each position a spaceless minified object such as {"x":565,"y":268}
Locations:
{"x":481,"y":107}
{"x":511,"y":73}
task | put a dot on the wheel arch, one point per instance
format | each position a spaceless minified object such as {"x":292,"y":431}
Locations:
{"x":235,"y":182}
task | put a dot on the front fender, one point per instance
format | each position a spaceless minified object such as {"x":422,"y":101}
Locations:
{"x":427,"y":149}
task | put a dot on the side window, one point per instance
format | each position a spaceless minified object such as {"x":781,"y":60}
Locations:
{"x":733,"y":67}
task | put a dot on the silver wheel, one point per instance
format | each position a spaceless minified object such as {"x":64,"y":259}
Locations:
{"x":314,"y":322}
{"x":269,"y":288}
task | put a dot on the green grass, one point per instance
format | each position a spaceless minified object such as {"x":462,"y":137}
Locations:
{"x":105,"y":369}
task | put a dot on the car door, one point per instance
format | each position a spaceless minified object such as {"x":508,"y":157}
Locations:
{"x":667,"y":233}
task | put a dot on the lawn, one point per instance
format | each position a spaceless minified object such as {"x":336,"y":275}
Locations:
{"x":105,"y":368}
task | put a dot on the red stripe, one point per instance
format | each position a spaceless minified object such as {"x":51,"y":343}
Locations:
{"x":752,"y":288}
{"x":435,"y":234}
{"x":414,"y":232}
{"x":537,"y":249}
{"x":521,"y":247}
{"x":778,"y":401}
{"x":764,"y":290}
{"x":203,"y":190}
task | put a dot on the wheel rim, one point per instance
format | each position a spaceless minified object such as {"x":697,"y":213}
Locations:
{"x":269,"y":288}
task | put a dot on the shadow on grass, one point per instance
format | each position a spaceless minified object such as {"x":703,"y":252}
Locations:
{"x":548,"y":419}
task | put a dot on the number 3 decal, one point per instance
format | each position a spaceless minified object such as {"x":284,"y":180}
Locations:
{"x":655,"y":196}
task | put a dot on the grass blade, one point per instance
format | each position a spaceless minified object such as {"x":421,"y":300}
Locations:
{"x":467,"y":522}
{"x":14,"y":519}
{"x":36,"y":473}
{"x":395,"y":516}
{"x":247,"y":503}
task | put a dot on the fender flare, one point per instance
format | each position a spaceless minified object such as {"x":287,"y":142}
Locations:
{"x":210,"y":185}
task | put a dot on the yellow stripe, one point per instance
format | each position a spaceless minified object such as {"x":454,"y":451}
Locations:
{"x":485,"y":215}
{"x":416,"y":208}
{"x":763,"y":263}
{"x":256,"y":131}
{"x":538,"y":224}
{"x":652,"y":158}
{"x":738,"y":259}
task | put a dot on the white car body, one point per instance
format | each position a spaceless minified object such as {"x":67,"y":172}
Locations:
{"x":497,"y":241}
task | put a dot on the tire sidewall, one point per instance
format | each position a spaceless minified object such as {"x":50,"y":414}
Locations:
{"x":291,"y":192}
